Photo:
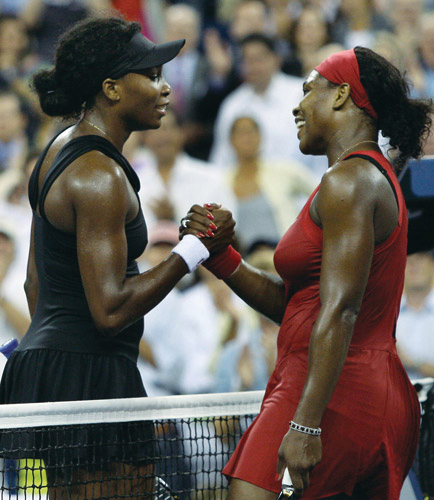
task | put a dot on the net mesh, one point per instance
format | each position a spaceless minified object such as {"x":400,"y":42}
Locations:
{"x":146,"y":448}
{"x":163,"y":448}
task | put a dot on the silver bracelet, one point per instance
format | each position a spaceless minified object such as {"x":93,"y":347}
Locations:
{"x":306,"y":430}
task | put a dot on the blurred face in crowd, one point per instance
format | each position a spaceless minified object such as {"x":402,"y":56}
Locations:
{"x":249,"y":17}
{"x":427,"y":39}
{"x":12,"y":120}
{"x":167,"y":141}
{"x":311,"y":30}
{"x":406,"y":12}
{"x":419,"y":272}
{"x":183,"y":21}
{"x":13,"y":37}
{"x":246,"y":138}
{"x":259,"y":65}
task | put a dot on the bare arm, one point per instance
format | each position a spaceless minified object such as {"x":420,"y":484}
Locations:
{"x":31,"y":284}
{"x":346,"y":207}
{"x":264,"y":292}
{"x":102,"y":200}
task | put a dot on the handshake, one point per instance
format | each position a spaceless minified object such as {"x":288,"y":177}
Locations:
{"x":206,"y":234}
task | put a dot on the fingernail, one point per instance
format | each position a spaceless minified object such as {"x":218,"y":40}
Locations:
{"x":213,"y":226}
{"x":210,"y":216}
{"x":208,"y":204}
{"x":210,"y":233}
{"x":200,"y":235}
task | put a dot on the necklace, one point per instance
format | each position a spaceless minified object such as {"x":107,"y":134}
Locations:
{"x":351,"y":147}
{"x":95,"y":126}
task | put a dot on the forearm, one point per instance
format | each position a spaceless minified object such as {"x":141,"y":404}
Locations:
{"x":262,"y":291}
{"x":138,"y":295}
{"x":328,"y":350}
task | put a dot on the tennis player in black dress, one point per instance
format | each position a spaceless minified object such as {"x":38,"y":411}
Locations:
{"x":86,"y":296}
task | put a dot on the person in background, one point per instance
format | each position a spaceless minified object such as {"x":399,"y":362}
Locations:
{"x":247,"y":360}
{"x":268,"y":96}
{"x":160,"y":363}
{"x":171,"y":180}
{"x":309,"y":32}
{"x":269,"y":193}
{"x":415,"y":327}
{"x":48,"y":19}
{"x":14,"y":142}
{"x":201,"y":76}
{"x":13,"y":323}
{"x":357,"y":22}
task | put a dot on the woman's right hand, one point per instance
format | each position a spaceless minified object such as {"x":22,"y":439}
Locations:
{"x":211,"y":223}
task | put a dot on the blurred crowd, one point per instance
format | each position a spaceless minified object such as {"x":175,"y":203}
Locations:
{"x":228,"y":137}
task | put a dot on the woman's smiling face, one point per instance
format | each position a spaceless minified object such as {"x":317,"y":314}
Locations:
{"x":146,"y":98}
{"x":312,"y":115}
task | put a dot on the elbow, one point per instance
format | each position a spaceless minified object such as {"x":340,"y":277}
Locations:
{"x":109,"y":325}
{"x":348,"y":316}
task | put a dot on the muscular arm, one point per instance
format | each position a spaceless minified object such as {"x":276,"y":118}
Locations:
{"x":346,"y":211}
{"x":263,"y":291}
{"x":345,"y":206}
{"x":31,"y":284}
{"x":102,"y":200}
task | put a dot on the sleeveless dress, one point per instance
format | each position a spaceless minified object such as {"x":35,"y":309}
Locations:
{"x":371,"y":424}
{"x":63,"y":357}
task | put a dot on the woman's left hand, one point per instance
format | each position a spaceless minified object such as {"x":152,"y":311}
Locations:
{"x":299,"y":453}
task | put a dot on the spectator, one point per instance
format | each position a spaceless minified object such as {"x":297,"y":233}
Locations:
{"x":268,"y":96}
{"x":199,"y":81}
{"x":171,"y":180}
{"x":406,"y":16}
{"x":357,"y":22}
{"x":202,"y":336}
{"x":14,"y":144}
{"x":48,"y":19}
{"x":415,"y":327}
{"x":13,"y":323}
{"x":247,"y":361}
{"x":16,"y":59}
{"x":424,"y":85}
{"x":269,"y":194}
{"x":309,"y":32}
{"x":159,"y":363}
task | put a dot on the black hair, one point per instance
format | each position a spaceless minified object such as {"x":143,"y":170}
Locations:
{"x":83,"y":55}
{"x":406,"y":122}
{"x":265,"y":40}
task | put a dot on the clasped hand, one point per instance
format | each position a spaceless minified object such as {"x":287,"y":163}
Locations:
{"x":211,"y":223}
{"x":299,"y":453}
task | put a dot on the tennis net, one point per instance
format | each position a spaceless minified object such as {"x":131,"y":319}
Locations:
{"x":161,"y":448}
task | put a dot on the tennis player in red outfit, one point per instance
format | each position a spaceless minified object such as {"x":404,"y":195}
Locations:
{"x":339,"y":410}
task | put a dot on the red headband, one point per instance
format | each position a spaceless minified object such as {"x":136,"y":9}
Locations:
{"x":343,"y":67}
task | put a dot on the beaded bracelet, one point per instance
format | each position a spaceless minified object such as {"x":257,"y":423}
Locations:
{"x":306,"y":430}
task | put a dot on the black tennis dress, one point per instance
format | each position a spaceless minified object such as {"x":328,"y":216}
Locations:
{"x":63,"y":357}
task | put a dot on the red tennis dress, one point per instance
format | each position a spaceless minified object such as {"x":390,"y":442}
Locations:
{"x":371,"y":424}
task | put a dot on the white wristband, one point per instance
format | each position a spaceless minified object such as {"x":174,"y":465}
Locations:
{"x":192,"y":250}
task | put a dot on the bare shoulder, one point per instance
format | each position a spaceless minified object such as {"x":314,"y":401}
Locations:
{"x":354,"y":181}
{"x":96,"y":175}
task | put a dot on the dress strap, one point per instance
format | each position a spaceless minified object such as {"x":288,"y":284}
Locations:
{"x":380,"y":168}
